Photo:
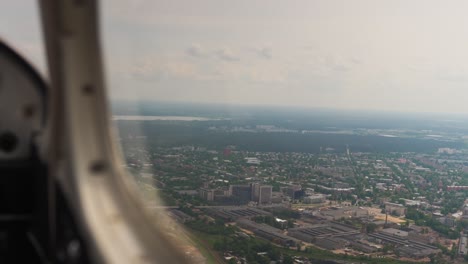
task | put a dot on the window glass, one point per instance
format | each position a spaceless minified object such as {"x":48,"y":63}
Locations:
{"x":20,"y":28}
{"x":296,"y":131}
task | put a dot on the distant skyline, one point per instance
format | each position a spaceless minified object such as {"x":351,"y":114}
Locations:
{"x":390,"y":55}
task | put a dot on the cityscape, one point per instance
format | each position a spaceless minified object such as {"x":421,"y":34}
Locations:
{"x":246,"y":132}
{"x":332,"y":204}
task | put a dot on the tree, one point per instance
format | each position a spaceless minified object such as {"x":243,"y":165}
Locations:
{"x":406,"y":224}
{"x":370,"y":228}
{"x":274,"y":254}
{"x":288,"y":259}
{"x":387,"y":248}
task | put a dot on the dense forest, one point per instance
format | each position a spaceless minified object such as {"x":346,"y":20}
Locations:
{"x":300,"y":118}
{"x":173,"y":133}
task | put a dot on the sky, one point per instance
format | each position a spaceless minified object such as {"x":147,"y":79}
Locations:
{"x":387,"y":55}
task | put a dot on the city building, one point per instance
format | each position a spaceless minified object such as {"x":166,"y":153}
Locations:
{"x":179,"y":216}
{"x":463,"y":246}
{"x":206,"y":194}
{"x":255,"y":191}
{"x":395,"y":232}
{"x":465,"y":212}
{"x":395,"y":209}
{"x":252,"y":161}
{"x":261,"y":194}
{"x":364,"y":246}
{"x":233,"y":213}
{"x":291,"y":191}
{"x":270,"y":233}
{"x":345,"y":212}
{"x":457,"y":188}
{"x":222,"y":196}
{"x":242,"y":192}
{"x":447,"y":220}
{"x":331,"y":243}
{"x":265,"y":194}
{"x":406,"y":247}
{"x":276,"y":197}
{"x":314,"y":232}
{"x":314,"y":199}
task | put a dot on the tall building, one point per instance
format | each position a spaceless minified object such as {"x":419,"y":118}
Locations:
{"x":206,"y":194}
{"x":291,"y":191}
{"x":265,"y":192}
{"x":242,"y":192}
{"x":255,"y":191}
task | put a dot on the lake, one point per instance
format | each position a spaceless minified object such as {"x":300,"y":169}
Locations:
{"x":166,"y":118}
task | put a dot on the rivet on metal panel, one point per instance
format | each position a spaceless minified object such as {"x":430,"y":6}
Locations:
{"x":98,"y":166}
{"x":88,"y":89}
{"x":8,"y":141}
{"x":28,"y":111}
{"x":66,"y":33}
{"x":74,"y":250}
{"x":79,"y":2}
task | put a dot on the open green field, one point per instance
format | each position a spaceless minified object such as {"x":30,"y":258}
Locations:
{"x":204,"y":243}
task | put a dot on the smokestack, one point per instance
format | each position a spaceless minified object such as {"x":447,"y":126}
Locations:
{"x":386,"y":219}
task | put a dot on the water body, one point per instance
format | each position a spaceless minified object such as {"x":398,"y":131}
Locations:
{"x":388,"y":135}
{"x":165,"y":118}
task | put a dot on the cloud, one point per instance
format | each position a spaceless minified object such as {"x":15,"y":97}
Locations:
{"x":336,"y":63}
{"x":340,"y":67}
{"x":264,"y":53}
{"x":143,"y":69}
{"x":226,"y":54}
{"x":453,"y":77}
{"x":195,"y":51}
{"x":355,"y":60}
{"x":158,"y":68}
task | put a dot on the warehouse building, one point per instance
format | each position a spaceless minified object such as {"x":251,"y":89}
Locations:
{"x":267,"y":232}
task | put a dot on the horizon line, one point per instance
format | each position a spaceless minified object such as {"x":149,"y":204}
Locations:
{"x":114,"y":101}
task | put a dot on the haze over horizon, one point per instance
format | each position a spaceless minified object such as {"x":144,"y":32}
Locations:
{"x":363,"y":55}
{"x":279,"y":107}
